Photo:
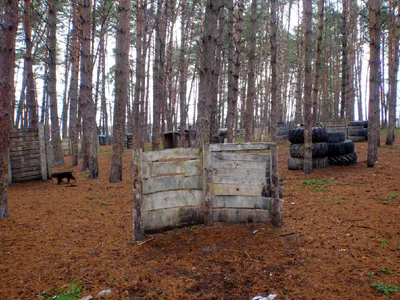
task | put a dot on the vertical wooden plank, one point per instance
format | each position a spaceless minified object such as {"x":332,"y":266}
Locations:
{"x":42,"y":146}
{"x":276,"y":206}
{"x":207,"y":181}
{"x":9,"y":168}
{"x":137,"y":188}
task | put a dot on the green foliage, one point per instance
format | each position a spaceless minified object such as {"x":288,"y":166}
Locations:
{"x":315,"y":182}
{"x":386,"y":271}
{"x":71,"y":291}
{"x":386,"y":289}
{"x":383,"y":243}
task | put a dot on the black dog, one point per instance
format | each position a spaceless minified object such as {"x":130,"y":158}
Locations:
{"x":62,"y":175}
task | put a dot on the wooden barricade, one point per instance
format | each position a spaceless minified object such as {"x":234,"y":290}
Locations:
{"x":336,"y":125}
{"x":28,"y":159}
{"x":230,"y":183}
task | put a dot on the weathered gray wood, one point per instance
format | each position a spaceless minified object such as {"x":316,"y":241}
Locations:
{"x":19,"y":175}
{"x":49,"y":159}
{"x":239,"y":147}
{"x":20,"y":139}
{"x":24,"y":158}
{"x":25,"y":152}
{"x":277,"y":212}
{"x":241,"y":171}
{"x":170,"y":199}
{"x":28,"y":178}
{"x":161,"y":220}
{"x":237,"y":179}
{"x":237,"y":189}
{"x":26,"y":169}
{"x":23,"y":163}
{"x":233,"y":215}
{"x":42,"y":145}
{"x":168,"y":183}
{"x":185,"y":168}
{"x":242,"y":202}
{"x":239,"y":164}
{"x":171,"y":154}
{"x":137,"y":187}
{"x":9,"y":169}
{"x":207,"y":182}
{"x":14,"y":147}
{"x":234,"y":156}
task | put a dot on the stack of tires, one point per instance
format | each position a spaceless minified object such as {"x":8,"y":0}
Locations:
{"x":340,"y":151}
{"x":319,"y":148}
{"x":357,"y":131}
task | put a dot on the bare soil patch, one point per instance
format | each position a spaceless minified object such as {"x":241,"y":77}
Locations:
{"x":341,"y":234}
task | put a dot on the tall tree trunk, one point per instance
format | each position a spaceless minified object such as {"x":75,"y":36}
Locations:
{"x":64,"y":113}
{"x":73,"y":88}
{"x":307,"y":15}
{"x":317,"y":61}
{"x":183,"y":72}
{"x":393,"y":70}
{"x":159,"y":72}
{"x":251,"y":74}
{"x":30,"y":91}
{"x":8,"y":30}
{"x":103,"y":105}
{"x":234,"y":60}
{"x":52,"y":84}
{"x":88,"y":113}
{"x":374,"y":81}
{"x":209,"y":46}
{"x":274,"y":75}
{"x":298,"y":116}
{"x":345,"y":60}
{"x":121,"y":88}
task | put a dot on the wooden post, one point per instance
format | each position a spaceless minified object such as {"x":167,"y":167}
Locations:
{"x":42,"y":147}
{"x":207,"y":180}
{"x":276,"y":207}
{"x":137,"y":189}
{"x":9,"y":168}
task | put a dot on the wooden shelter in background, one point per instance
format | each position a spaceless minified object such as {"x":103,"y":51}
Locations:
{"x":30,"y":157}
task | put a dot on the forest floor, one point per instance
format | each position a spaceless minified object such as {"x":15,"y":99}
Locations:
{"x":341,"y":236}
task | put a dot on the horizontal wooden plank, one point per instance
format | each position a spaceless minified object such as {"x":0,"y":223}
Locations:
{"x":216,"y":164}
{"x":26,"y":174}
{"x":28,"y":178}
{"x":232,"y":215}
{"x":240,"y":147}
{"x":185,"y":168}
{"x":230,"y":156}
{"x":234,"y":178}
{"x":22,"y":163}
{"x":241,"y":202}
{"x":24,"y":133}
{"x":24,"y":158}
{"x":169,"y":183}
{"x":24,"y":146}
{"x":170,"y":199}
{"x":24,"y":152}
{"x":16,"y":170}
{"x":164,"y":219}
{"x":237,"y":189}
{"x":20,"y":139}
{"x":172,"y":154}
{"x":241,"y":172}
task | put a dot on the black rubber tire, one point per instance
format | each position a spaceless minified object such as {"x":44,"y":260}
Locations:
{"x":297,"y":163}
{"x":341,"y":148}
{"x":343,"y":160}
{"x":319,"y":135}
{"x":356,"y":139}
{"x":357,"y":132}
{"x":336,"y":137}
{"x":318,"y":150}
{"x":359,"y":123}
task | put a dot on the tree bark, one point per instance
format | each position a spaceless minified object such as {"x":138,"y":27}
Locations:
{"x":52,"y":84}
{"x":307,"y":17}
{"x":251,"y":74}
{"x":394,"y":67}
{"x":274,"y":75}
{"x":8,"y":30}
{"x":121,"y":88}
{"x":374,"y":81}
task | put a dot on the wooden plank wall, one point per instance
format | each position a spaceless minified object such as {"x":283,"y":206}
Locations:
{"x":336,"y":125}
{"x":241,"y":181}
{"x":172,"y":189}
{"x":25,"y":155}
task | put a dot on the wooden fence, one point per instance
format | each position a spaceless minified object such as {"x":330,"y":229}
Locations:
{"x":232,"y":183}
{"x":336,"y":125}
{"x":28,"y":160}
